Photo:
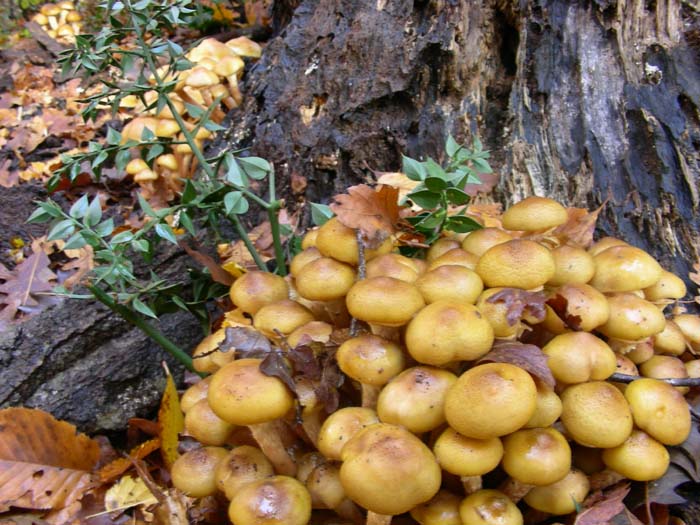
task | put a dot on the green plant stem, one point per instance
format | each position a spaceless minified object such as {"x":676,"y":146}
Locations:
{"x":273,"y":215}
{"x":155,"y":334}
{"x":240,"y":230}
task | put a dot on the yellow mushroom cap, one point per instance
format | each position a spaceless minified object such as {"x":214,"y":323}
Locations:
{"x":533,"y":214}
{"x":632,"y":318}
{"x":229,"y":65}
{"x":561,"y":497}
{"x":167,"y":161}
{"x":517,"y":264}
{"x":201,"y":77}
{"x":245,"y":47}
{"x":640,"y":457}
{"x":384,"y":301}
{"x":624,"y":269}
{"x":136,"y":166}
{"x":209,"y":47}
{"x":489,"y":507}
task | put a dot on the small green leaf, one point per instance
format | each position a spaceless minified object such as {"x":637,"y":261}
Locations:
{"x":435,"y":184}
{"x":105,"y":228}
{"x":142,"y":308}
{"x":481,"y":166}
{"x":147,"y":135}
{"x":195,"y":111}
{"x":426,"y":199}
{"x":79,"y":208}
{"x":213,"y":126}
{"x":189,"y":193}
{"x":141,"y":245}
{"x":462,"y":224}
{"x":255,"y":167}
{"x":456,"y":196}
{"x":50,"y":207}
{"x":413,"y":169}
{"x":74,"y":242}
{"x":146,"y":207}
{"x":235,"y":175}
{"x":235,"y":203}
{"x":164,"y":231}
{"x":478,"y":147}
{"x":434,"y":169}
{"x":122,"y":159}
{"x":451,"y":146}
{"x":320,"y":213}
{"x":113,"y":137}
{"x":94,"y":213}
{"x":179,"y":302}
{"x":39,"y":216}
{"x":186,"y":223}
{"x":122,"y":237}
{"x":154,"y":151}
{"x":61,"y":230}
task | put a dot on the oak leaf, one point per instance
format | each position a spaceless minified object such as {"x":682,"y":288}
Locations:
{"x":528,"y":357}
{"x":578,"y":229}
{"x":605,"y":508}
{"x":44,"y":463}
{"x":30,"y":277}
{"x":374,"y":212}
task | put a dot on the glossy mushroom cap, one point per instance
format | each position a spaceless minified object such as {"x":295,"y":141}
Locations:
{"x":393,"y":265}
{"x":639,"y":458}
{"x":242,"y":465}
{"x":536,"y":456}
{"x":561,"y":497}
{"x":577,"y":357}
{"x":548,"y":409}
{"x":446,"y":331}
{"x":572,"y":264}
{"x":632,"y":318}
{"x":596,"y":414}
{"x":370,"y":359}
{"x":624,"y":269}
{"x":534,"y":214}
{"x":341,"y":426}
{"x":489,"y":507}
{"x":478,"y":241}
{"x":442,"y":509}
{"x":194,"y":472}
{"x":501,"y":398}
{"x":271,"y":501}
{"x":451,"y":283}
{"x":205,"y":426}
{"x":242,"y":395}
{"x":336,"y":240}
{"x":660,"y":410}
{"x":253,"y":290}
{"x":388,"y":470}
{"x":415,"y":399}
{"x":324,"y":279}
{"x":518,"y":264}
{"x":584,"y":301}
{"x":283,"y":316}
{"x":465,"y":456}
{"x":669,"y":286}
{"x":384,"y":301}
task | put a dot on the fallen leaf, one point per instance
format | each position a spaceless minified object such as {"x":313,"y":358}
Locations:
{"x":488,"y":214}
{"x":374,"y":212}
{"x":82,"y":264}
{"x":528,"y":357}
{"x":170,"y":421}
{"x":578,"y":229}
{"x":8,"y":178}
{"x":246,"y":341}
{"x":218,"y":274}
{"x":603,"y":510}
{"x":560,"y":306}
{"x":120,"y":465}
{"x":298,"y":183}
{"x":519,"y":302}
{"x":44,"y":463}
{"x":126,"y":493}
{"x":172,"y":504}
{"x":30,"y":277}
{"x":397,"y":180}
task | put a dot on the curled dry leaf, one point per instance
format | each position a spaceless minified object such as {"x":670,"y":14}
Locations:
{"x":578,"y":229}
{"x":560,"y":306}
{"x":170,"y":421}
{"x":29,"y":278}
{"x":246,"y":341}
{"x":374,"y":212}
{"x":518,"y":302}
{"x":602,"y":508}
{"x":117,"y":467}
{"x":44,"y":463}
{"x":527,"y":357}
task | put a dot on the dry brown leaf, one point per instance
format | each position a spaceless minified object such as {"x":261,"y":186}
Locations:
{"x":518,"y":302}
{"x":578,"y":229}
{"x":374,"y":212}
{"x":603,"y":510}
{"x":172,"y":504}
{"x":120,"y":465}
{"x":44,"y":463}
{"x":528,"y":357}
{"x":488,"y":214}
{"x":218,"y":274}
{"x":298,"y":183}
{"x":83,"y":263}
{"x":30,"y":277}
{"x":397,"y":180}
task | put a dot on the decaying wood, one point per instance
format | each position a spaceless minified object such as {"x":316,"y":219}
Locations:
{"x":588,"y":102}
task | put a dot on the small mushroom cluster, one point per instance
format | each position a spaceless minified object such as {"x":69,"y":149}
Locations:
{"x":60,"y":21}
{"x":212,"y":81}
{"x":430,"y":412}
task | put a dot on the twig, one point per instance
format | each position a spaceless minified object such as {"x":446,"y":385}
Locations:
{"x":361,"y":273}
{"x":673,"y":381}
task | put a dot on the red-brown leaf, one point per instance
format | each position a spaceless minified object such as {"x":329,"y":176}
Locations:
{"x":602,"y":512}
{"x":528,"y":357}
{"x":374,"y":212}
{"x":217,"y":272}
{"x":32,"y":276}
{"x":560,"y":305}
{"x":519,"y":301}
{"x":578,"y":230}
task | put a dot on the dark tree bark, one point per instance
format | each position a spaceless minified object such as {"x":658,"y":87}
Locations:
{"x":590,"y":102}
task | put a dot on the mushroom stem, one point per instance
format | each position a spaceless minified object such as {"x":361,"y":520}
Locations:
{"x":604,"y":479}
{"x":378,"y":519}
{"x":348,"y":510}
{"x":370,"y":394}
{"x":471,"y":484}
{"x":514,"y":489}
{"x":391,"y":333}
{"x":269,"y":438}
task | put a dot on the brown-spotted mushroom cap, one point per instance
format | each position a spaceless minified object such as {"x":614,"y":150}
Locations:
{"x":519,"y":263}
{"x":624,"y":269}
{"x":536,"y":456}
{"x":384,"y":301}
{"x":279,"y":500}
{"x":489,"y":507}
{"x":632,"y":318}
{"x":501,"y":398}
{"x":253,"y":290}
{"x":370,"y":359}
{"x":388,"y":470}
{"x":446,"y":331}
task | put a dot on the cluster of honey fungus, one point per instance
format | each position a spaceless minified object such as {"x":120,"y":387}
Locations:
{"x":433,"y":413}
